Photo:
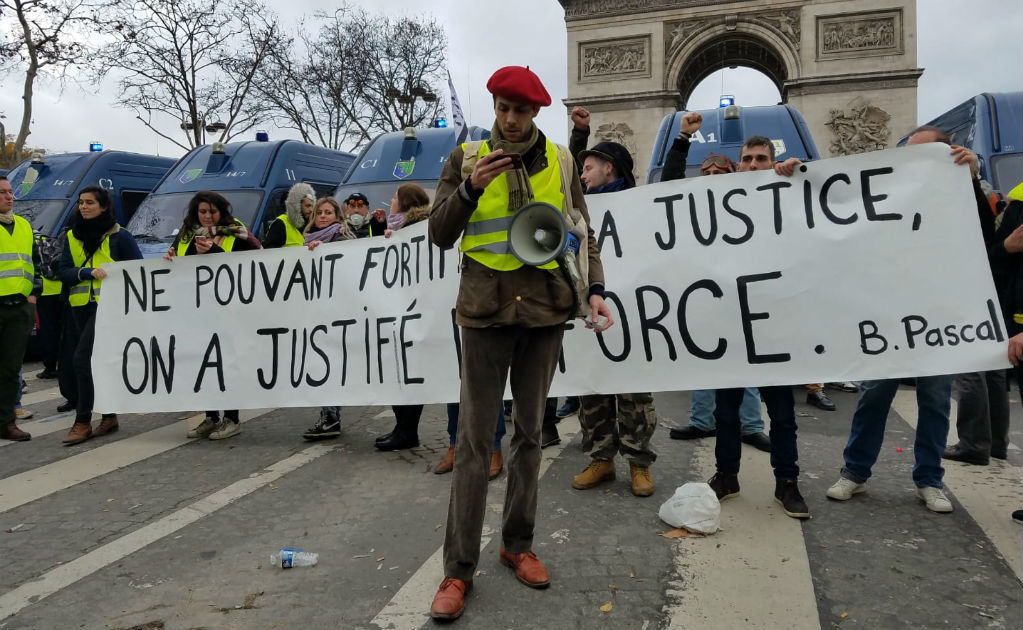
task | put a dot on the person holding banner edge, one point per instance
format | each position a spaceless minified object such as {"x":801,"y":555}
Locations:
{"x":933,"y":393}
{"x":95,"y":238}
{"x":512,"y":320}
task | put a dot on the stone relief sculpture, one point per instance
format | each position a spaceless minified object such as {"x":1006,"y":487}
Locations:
{"x":785,"y":21}
{"x":681,"y":31}
{"x":621,"y":133}
{"x":860,"y":128}
{"x":859,"y":35}
{"x":623,"y":57}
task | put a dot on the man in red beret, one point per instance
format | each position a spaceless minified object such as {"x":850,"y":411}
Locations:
{"x":512,"y":318}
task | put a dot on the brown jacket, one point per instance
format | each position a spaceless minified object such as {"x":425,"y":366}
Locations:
{"x":527,"y":296}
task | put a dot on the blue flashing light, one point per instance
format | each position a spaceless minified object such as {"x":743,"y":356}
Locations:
{"x":95,"y":146}
{"x":440,"y":123}
{"x":727,"y":100}
{"x":262,"y":136}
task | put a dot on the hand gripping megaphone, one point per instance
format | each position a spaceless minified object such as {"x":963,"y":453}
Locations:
{"x":537,"y":234}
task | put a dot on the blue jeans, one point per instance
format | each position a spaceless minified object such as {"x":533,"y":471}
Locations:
{"x":780,"y":408}
{"x":701,"y":410}
{"x":453,"y":425}
{"x":21,"y":389}
{"x":933,"y":396}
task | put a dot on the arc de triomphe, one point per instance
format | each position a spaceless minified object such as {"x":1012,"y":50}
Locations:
{"x":848,"y":65}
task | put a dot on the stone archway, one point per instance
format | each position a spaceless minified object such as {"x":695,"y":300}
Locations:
{"x":847,"y":65}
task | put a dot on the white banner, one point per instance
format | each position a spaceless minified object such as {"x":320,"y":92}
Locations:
{"x":860,"y":267}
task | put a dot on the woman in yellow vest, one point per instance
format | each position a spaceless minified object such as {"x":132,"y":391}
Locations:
{"x":95,"y":238}
{"x":286,"y":229}
{"x":210,"y":228}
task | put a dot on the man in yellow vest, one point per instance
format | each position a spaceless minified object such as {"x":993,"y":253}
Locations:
{"x":20,"y":284}
{"x":286,"y":229}
{"x":512,"y":318}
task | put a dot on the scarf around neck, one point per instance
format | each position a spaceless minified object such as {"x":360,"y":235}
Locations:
{"x":520,"y":191}
{"x":7,"y":217}
{"x":92,"y":231}
{"x":329,"y":233}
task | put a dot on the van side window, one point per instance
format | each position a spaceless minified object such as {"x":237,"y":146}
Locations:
{"x":130,"y":201}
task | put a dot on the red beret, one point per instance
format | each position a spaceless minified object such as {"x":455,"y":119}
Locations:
{"x":519,"y":84}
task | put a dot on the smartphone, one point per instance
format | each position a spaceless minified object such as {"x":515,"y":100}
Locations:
{"x":516,"y":159}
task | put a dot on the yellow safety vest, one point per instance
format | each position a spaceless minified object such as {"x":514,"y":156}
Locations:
{"x":294,"y":238}
{"x":88,"y":290}
{"x":50,"y":287}
{"x":486,"y":236}
{"x":1016,"y":193}
{"x":227,"y":244}
{"x":17,"y":273}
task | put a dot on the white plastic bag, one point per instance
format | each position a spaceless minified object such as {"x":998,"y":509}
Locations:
{"x":695,"y":507}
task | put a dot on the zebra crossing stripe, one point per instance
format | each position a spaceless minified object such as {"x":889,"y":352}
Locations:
{"x":43,"y":481}
{"x":67,"y":574}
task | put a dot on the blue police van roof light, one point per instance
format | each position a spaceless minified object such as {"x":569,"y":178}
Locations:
{"x":95,"y":146}
{"x":262,"y":136}
{"x":726,"y":100}
{"x":440,"y":123}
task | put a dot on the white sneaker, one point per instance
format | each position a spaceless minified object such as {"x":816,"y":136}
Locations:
{"x":21,"y":413}
{"x":203,"y":429}
{"x":844,"y":489}
{"x":225,"y":429}
{"x":934,"y":498}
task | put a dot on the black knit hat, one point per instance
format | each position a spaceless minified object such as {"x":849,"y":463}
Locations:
{"x":617,"y":155}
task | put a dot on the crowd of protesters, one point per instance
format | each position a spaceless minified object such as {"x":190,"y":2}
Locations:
{"x":65,"y":289}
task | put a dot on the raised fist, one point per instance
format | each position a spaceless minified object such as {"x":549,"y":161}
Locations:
{"x":580,"y":117}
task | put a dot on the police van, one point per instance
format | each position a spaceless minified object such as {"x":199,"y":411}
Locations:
{"x":254,"y":176}
{"x":46,"y":187}
{"x":392,"y":159}
{"x":990,"y":125}
{"x":725,"y":129}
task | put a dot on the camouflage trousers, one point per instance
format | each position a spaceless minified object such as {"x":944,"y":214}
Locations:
{"x":622,"y":423}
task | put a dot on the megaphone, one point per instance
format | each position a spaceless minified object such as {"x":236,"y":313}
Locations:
{"x":537,"y":233}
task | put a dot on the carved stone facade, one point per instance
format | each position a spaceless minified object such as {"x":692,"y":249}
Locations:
{"x":859,"y":128}
{"x":632,"y":62}
{"x":859,"y":35}
{"x":614,"y":59}
{"x":620,"y":132}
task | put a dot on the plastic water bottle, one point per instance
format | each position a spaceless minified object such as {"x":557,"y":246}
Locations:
{"x":289,"y":557}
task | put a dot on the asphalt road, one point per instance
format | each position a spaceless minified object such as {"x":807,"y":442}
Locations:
{"x":147,"y":529}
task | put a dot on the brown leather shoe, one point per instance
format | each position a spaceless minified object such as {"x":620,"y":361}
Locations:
{"x":449,"y":602}
{"x":12,"y":432}
{"x":80,"y":432}
{"x":496,"y":464}
{"x":642,"y":482}
{"x":107,"y":425}
{"x":447,"y":464}
{"x":528,"y":569}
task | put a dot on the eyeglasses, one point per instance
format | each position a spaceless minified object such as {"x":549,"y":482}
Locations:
{"x":719,"y":161}
{"x":356,"y":202}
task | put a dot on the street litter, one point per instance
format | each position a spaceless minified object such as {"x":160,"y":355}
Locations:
{"x":289,"y":557}
{"x":694,"y":507}
{"x":11,"y":530}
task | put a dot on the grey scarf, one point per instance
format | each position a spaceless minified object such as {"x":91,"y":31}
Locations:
{"x":520,"y":191}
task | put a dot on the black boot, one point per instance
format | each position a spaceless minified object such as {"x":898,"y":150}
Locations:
{"x":398,"y":440}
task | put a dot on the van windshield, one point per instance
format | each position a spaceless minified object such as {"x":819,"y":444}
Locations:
{"x":380,"y":193}
{"x":159,"y":217}
{"x":1006,"y":170}
{"x":43,"y":214}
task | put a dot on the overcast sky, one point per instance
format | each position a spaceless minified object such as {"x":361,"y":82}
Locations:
{"x":965,"y":49}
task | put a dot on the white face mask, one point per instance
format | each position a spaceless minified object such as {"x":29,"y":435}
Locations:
{"x":356,"y":220}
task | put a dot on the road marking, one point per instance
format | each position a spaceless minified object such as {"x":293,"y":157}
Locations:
{"x":989,"y":493}
{"x":410,"y":606}
{"x":67,"y":574}
{"x":45,"y":480}
{"x":33,"y":398}
{"x":45,"y":426}
{"x":760,"y":553}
